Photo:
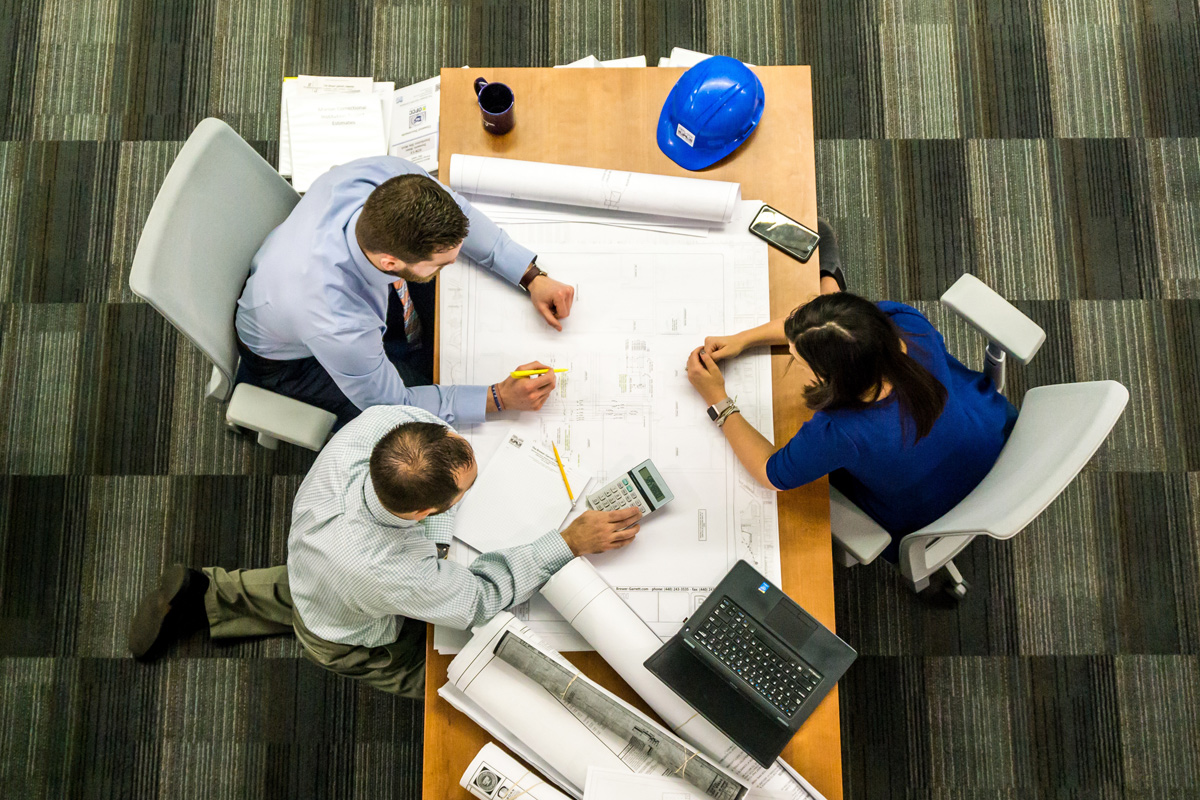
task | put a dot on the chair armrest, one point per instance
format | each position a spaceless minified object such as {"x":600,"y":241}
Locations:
{"x":279,"y":417}
{"x":995,"y":317}
{"x":219,"y":386}
{"x":854,"y":531}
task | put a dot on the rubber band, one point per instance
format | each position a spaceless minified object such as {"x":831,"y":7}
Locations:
{"x":563,"y":696}
{"x":682,"y":771}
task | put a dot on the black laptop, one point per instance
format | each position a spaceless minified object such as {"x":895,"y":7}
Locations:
{"x":752,"y":662}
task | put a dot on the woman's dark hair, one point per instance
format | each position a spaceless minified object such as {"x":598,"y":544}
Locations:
{"x":854,"y":348}
{"x":410,"y":217}
{"x":415,"y":466}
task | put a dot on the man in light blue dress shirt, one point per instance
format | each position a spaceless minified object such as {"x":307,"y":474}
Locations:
{"x":331,"y":312}
{"x":365,"y":568}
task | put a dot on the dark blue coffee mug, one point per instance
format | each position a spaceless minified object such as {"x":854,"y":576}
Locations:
{"x":496,"y":105}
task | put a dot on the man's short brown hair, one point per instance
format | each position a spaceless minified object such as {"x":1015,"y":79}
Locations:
{"x":410,"y":217}
{"x":416,"y":465}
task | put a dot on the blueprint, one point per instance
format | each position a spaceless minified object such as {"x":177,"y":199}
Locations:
{"x":613,"y":190}
{"x":643,"y":302}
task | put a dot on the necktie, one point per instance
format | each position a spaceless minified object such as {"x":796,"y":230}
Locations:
{"x":412,"y":323}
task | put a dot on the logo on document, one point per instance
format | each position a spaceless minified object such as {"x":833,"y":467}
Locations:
{"x":416,"y":116}
{"x":516,"y":441}
{"x":762,"y":587}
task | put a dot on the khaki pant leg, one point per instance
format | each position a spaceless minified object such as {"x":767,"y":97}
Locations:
{"x":396,"y":668}
{"x":248,"y":602}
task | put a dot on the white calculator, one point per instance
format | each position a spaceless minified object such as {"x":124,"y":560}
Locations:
{"x":643,"y":486}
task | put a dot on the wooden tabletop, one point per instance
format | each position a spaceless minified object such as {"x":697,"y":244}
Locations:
{"x":607,"y":118}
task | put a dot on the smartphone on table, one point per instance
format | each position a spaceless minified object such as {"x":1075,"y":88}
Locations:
{"x":778,"y":229}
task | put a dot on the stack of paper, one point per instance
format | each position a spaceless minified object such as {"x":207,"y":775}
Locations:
{"x":518,"y":497}
{"x":588,"y":62}
{"x":682,"y":57}
{"x":326,"y":121}
{"x":414,"y":120}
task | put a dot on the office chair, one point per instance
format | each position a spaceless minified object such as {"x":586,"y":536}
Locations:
{"x":218,"y":203}
{"x":1057,"y":431}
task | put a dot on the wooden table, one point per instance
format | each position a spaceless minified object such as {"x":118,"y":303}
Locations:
{"x":607,"y":118}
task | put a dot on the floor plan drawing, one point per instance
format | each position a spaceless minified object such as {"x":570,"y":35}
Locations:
{"x":640,"y":309}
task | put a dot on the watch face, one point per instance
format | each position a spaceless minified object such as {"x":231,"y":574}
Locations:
{"x":712,"y":413}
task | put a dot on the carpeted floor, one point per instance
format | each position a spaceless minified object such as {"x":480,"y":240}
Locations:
{"x":1051,"y":148}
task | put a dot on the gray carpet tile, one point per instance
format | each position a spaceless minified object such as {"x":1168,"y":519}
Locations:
{"x":1051,"y":147}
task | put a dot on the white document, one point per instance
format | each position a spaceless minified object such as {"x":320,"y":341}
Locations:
{"x":629,"y":61}
{"x":312,"y":85}
{"x":607,"y":784}
{"x":519,"y":495}
{"x":682,"y":57}
{"x":643,"y":302}
{"x":570,"y":722}
{"x":592,"y":608}
{"x":332,"y":129}
{"x":609,"y":189}
{"x":415,"y":112}
{"x":494,"y":774}
{"x":587,"y":62}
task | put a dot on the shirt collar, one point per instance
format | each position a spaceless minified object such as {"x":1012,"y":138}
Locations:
{"x":370,"y":273}
{"x":381,"y":514}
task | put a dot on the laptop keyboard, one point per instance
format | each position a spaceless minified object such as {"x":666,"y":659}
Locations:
{"x":739,"y":643}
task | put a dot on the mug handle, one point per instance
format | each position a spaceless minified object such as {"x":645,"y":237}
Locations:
{"x":479,"y":84}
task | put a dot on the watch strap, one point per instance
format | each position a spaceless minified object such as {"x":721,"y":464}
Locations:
{"x":717,"y":409}
{"x":531,"y":273}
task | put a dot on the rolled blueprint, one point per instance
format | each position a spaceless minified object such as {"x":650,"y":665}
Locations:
{"x":495,"y":775}
{"x":611,"y":189}
{"x":622,"y":639}
{"x":560,"y":729}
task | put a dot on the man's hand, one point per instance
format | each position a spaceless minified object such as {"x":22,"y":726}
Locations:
{"x":598,"y":531}
{"x":706,"y":376}
{"x":720,"y":347}
{"x":525,"y":394}
{"x":551,"y":299}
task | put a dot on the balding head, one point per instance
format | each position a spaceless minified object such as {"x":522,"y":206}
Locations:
{"x":421,"y":466}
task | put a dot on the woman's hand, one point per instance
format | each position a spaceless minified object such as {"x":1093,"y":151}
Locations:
{"x":720,"y":347}
{"x":706,"y":376}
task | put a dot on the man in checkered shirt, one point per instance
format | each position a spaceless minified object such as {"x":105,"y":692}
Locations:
{"x":366,"y":568}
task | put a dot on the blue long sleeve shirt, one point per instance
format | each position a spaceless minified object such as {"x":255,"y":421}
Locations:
{"x":870,"y":456}
{"x":313,"y":293}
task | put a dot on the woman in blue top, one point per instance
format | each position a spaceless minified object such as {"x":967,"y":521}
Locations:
{"x":901,"y":427}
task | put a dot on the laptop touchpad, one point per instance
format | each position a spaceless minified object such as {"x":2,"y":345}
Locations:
{"x":789,"y":624}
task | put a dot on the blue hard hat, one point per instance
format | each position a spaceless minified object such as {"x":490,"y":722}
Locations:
{"x":710,"y":111}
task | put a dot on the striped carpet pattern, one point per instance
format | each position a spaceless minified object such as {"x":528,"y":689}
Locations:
{"x":1051,"y":147}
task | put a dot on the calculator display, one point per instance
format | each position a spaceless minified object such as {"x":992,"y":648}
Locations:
{"x":649,"y":481}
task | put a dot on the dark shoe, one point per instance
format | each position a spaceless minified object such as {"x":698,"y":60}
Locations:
{"x":175,"y":608}
{"x":831,"y":259}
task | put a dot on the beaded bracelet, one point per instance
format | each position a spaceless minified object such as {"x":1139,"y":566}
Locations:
{"x":496,"y":398}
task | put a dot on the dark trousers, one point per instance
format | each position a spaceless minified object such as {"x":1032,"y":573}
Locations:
{"x":306,"y":380}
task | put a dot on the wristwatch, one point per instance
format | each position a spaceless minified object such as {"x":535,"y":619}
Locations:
{"x":531,"y":273}
{"x":717,"y":409}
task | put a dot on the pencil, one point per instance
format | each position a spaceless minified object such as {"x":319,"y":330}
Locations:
{"x":529,"y":373}
{"x":563,"y":471}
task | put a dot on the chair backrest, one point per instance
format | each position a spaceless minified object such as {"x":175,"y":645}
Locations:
{"x":218,"y":203}
{"x":1057,"y":432}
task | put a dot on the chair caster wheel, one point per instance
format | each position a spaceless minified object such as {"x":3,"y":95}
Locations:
{"x":957,"y":591}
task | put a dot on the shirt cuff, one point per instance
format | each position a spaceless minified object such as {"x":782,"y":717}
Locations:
{"x":471,"y":404}
{"x":552,"y":550}
{"x":512,"y":259}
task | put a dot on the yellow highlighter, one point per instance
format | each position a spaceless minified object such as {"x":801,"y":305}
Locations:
{"x":529,"y":373}
{"x":563,"y":471}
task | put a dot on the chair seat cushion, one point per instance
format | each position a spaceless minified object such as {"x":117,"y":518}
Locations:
{"x":279,"y":417}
